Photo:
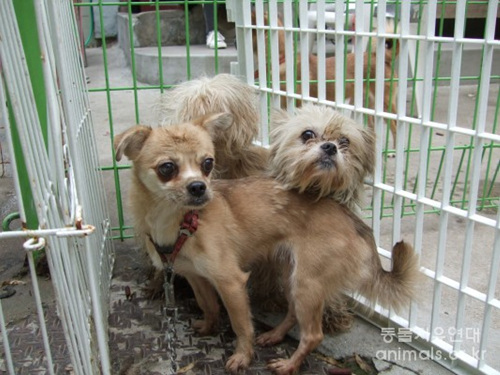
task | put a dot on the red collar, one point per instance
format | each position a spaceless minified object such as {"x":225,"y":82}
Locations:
{"x":187,"y":228}
{"x":256,"y":73}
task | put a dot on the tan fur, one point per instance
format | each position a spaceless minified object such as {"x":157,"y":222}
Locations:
{"x":236,"y":157}
{"x":369,"y":71}
{"x":235,"y":153}
{"x":300,"y":164}
{"x":328,"y":249}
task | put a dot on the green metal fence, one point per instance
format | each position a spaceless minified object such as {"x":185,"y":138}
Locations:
{"x":463,"y":150}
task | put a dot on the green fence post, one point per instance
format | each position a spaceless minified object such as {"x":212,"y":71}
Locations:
{"x":26,"y":18}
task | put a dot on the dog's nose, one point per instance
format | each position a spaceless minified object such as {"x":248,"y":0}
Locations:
{"x":197,"y":188}
{"x":329,"y":148}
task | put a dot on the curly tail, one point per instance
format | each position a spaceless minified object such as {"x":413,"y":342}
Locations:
{"x":394,"y":289}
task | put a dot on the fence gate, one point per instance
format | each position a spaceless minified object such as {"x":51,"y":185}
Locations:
{"x":68,"y":194}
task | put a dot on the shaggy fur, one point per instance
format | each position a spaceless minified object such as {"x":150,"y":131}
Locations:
{"x":236,"y":155}
{"x":369,"y":72}
{"x":320,"y":151}
{"x":325,"y":248}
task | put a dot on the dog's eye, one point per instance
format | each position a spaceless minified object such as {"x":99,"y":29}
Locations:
{"x":207,"y":165}
{"x":167,"y":170}
{"x":307,"y":135}
{"x":343,"y":142}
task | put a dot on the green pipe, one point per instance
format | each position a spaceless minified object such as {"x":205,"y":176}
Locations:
{"x":121,"y":219}
{"x":487,"y":192}
{"x":188,"y":41}
{"x":158,"y":38}
{"x":8,"y":220}
{"x":92,"y":25}
{"x":26,"y":19}
{"x":132,"y":63}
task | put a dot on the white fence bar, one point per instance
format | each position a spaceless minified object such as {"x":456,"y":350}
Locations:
{"x":5,"y":119}
{"x":428,"y":56}
{"x":321,"y":50}
{"x":359,"y":61}
{"x":6,"y":344}
{"x":289,"y":53}
{"x":82,"y":148}
{"x":274,"y":52}
{"x":378,"y":195}
{"x":340,"y":8}
{"x":306,"y":39}
{"x":16,"y":77}
{"x":484,"y":89}
{"x":450,"y":137}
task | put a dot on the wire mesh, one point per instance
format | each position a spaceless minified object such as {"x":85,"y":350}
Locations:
{"x":65,"y":182}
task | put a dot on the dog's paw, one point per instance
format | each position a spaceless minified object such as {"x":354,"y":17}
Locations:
{"x":203,"y":328}
{"x":236,"y":362}
{"x":282,"y":366}
{"x":269,"y":338}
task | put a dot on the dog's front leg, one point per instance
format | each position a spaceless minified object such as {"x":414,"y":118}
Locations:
{"x":232,"y":289}
{"x":207,"y":301}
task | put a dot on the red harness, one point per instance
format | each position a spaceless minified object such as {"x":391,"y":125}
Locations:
{"x":187,"y":228}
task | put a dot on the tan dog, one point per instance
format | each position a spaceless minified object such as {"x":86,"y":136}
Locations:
{"x":320,"y":151}
{"x":369,"y":70}
{"x":326,"y":248}
{"x":236,"y":155}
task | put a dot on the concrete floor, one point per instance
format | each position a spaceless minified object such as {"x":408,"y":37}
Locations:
{"x":364,"y":338}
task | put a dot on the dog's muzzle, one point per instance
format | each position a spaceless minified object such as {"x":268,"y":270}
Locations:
{"x":329,"y":148}
{"x":197,"y":189}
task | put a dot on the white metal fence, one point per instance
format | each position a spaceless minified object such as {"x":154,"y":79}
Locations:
{"x":459,"y":311}
{"x":66,"y":185}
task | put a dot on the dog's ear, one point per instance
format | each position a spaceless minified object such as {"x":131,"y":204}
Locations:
{"x":215,"y":123}
{"x":254,"y":18}
{"x":279,"y":118}
{"x":130,"y":142}
{"x":369,"y":149}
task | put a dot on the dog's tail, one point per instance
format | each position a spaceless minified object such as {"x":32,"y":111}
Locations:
{"x":394,"y":289}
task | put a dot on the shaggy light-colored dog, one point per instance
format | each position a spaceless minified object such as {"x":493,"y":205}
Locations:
{"x":235,"y":152}
{"x":322,"y":152}
{"x":328,"y":249}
